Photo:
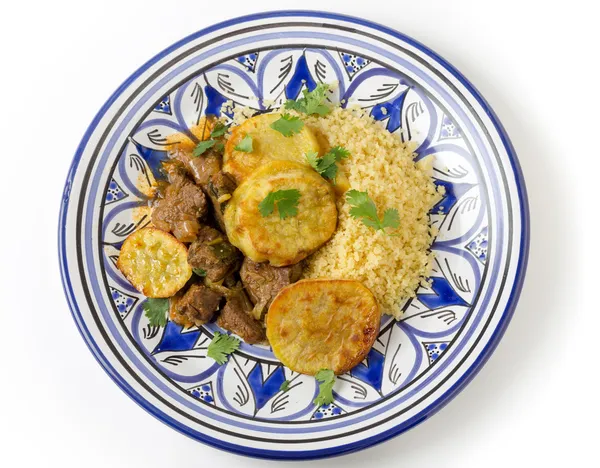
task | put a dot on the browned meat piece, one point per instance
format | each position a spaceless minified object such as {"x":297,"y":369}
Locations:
{"x":213,"y":253}
{"x":219,"y":190}
{"x":263,"y":281}
{"x":236,"y":318}
{"x":200,"y":167}
{"x":196,"y":307}
{"x":183,"y":204}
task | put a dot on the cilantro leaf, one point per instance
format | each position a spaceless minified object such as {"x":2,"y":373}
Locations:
{"x":156,"y":311}
{"x":364,"y":208}
{"x":202,"y":146}
{"x":285,"y":200}
{"x":313,"y":159}
{"x":312,"y":102}
{"x":285,"y":386}
{"x":326,"y":379}
{"x":218,"y":130}
{"x":326,"y":166}
{"x":221,"y":347}
{"x":287,"y":125}
{"x":245,"y":145}
{"x":339,"y":152}
{"x":219,"y":146}
{"x":356,"y":198}
{"x":391,"y":218}
{"x":199,"y":272}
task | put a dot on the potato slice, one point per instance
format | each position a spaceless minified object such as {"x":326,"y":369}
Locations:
{"x":323,"y":324}
{"x":281,"y":241}
{"x":267,"y":145}
{"x":154,"y":262}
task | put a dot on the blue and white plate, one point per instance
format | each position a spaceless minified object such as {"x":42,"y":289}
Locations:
{"x":419,"y":362}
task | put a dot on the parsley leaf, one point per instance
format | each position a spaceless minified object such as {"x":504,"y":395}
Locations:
{"x":285,"y":386}
{"x":202,"y":146}
{"x":218,"y":130}
{"x":326,"y":379}
{"x":245,"y":145}
{"x":312,"y":102}
{"x":326,"y":166}
{"x":199,"y":272}
{"x":286,"y":201}
{"x":221,"y":347}
{"x":364,"y":208}
{"x":287,"y":125}
{"x":156,"y":311}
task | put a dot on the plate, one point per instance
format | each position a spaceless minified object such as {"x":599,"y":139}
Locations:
{"x":417,"y":363}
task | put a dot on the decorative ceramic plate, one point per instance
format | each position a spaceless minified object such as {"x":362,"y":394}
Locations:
{"x":419,"y":362}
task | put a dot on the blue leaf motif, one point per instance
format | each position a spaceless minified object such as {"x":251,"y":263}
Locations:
{"x":372,"y":373}
{"x":403,"y":359}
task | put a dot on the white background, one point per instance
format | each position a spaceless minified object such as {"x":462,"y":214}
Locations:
{"x":536,"y":402}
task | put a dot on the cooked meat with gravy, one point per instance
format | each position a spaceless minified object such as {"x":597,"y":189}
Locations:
{"x":235,"y":318}
{"x":263,"y":281}
{"x":200,"y":167}
{"x":196,"y":307}
{"x":219,"y":190}
{"x":184,"y":203}
{"x":213,"y":253}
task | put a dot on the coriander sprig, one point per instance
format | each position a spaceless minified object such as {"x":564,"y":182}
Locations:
{"x":326,"y":379}
{"x":287,"y":125}
{"x":286,"y":202}
{"x":218,"y":131}
{"x":312,"y":102}
{"x":156,"y":311}
{"x":245,"y":145}
{"x":221,"y":347}
{"x":327,"y":165}
{"x":364,"y":208}
{"x":285,"y":386}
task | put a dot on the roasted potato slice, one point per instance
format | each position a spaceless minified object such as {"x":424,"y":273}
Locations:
{"x":323,"y":324}
{"x":281,"y":241}
{"x":154,"y":262}
{"x":267,"y":145}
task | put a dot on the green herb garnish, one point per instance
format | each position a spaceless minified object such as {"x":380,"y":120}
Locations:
{"x":221,"y":347}
{"x":326,"y":166}
{"x":218,"y":130}
{"x":287,"y":125}
{"x":219,"y":146}
{"x":286,"y":201}
{"x":285,"y":386}
{"x":156,"y":311}
{"x":202,"y":146}
{"x":326,"y":379}
{"x":245,"y":145}
{"x":364,"y":208}
{"x":312,"y":102}
{"x":199,"y":272}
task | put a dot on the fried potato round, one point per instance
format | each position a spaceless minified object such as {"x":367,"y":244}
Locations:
{"x":279,"y":241}
{"x":267,"y":145}
{"x":323,"y":324}
{"x":154,"y":262}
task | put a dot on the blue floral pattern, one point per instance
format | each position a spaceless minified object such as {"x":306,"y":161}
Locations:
{"x":249,"y":383}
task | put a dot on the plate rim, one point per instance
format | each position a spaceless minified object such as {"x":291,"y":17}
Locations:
{"x":446,"y":397}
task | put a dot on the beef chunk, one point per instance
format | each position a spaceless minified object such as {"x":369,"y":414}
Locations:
{"x":183,"y":204}
{"x":212,"y":253}
{"x":219,"y":190}
{"x":196,"y":307}
{"x":263,"y":281}
{"x":200,"y":167}
{"x":235,"y":318}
